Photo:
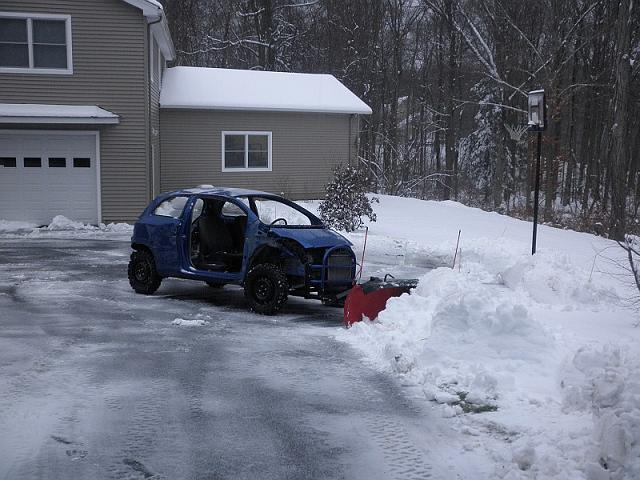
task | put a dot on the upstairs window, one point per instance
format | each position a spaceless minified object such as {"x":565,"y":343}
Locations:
{"x":246,"y":151}
{"x":35,"y":43}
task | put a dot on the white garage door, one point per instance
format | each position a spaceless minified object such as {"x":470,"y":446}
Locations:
{"x":44,"y":175}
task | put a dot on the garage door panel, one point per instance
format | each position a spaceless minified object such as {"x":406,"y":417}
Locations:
{"x":38,"y":193}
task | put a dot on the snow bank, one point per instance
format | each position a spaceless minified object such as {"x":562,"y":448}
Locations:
{"x":534,"y":357}
{"x":605,"y":381}
{"x":62,"y":223}
{"x":7,"y":226}
{"x":466,"y":342}
{"x":63,"y":226}
{"x":549,"y":277}
{"x":117,"y":228}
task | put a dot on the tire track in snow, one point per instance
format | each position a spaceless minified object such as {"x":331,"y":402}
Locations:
{"x":404,"y":459}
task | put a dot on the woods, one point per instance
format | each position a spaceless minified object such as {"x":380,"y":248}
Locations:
{"x":445,"y":78}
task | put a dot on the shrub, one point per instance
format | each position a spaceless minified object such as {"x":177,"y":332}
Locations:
{"x":346,"y":202}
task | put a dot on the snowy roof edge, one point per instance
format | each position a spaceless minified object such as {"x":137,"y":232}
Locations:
{"x":154,"y":13}
{"x":190,"y":88}
{"x":346,"y":111}
{"x":23,"y":113}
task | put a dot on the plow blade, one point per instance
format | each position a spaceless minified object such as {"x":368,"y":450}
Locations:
{"x":370,"y":298}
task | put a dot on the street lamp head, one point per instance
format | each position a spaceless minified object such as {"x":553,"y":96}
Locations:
{"x":537,"y":110}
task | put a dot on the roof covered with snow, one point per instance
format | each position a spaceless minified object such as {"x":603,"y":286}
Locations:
{"x":226,"y":89}
{"x":148,"y":7}
{"x":38,"y":113}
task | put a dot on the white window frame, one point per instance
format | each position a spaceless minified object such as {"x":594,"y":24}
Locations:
{"x":246,"y":167}
{"x":29,"y":17}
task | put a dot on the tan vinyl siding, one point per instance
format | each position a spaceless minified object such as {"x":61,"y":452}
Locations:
{"x":306,"y":147}
{"x":110,"y":69}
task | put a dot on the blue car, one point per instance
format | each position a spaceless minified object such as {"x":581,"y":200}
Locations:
{"x":269,"y":245}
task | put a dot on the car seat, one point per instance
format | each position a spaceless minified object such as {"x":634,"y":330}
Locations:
{"x":217,"y":247}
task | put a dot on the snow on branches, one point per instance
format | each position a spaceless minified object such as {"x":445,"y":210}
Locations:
{"x":346,"y":201}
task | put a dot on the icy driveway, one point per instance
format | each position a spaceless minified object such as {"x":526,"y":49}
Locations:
{"x":96,"y":382}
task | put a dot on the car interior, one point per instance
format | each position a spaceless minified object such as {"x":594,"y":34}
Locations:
{"x":217,"y":235}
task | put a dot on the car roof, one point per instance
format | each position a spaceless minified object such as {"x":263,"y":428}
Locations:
{"x":221,"y":191}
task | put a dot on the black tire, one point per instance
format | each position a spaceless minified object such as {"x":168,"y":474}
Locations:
{"x":266,"y":289}
{"x":142,"y":273}
{"x":215,"y":284}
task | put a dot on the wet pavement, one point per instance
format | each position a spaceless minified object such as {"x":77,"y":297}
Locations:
{"x":96,"y":382}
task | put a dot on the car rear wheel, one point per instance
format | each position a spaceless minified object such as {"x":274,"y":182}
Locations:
{"x":142,"y":273}
{"x":266,"y":289}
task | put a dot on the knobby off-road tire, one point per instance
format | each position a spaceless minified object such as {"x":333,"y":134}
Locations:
{"x":142,"y":273}
{"x":266,"y":289}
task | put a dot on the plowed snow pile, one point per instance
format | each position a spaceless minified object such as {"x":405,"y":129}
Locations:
{"x":535,"y":359}
{"x":63,"y":227}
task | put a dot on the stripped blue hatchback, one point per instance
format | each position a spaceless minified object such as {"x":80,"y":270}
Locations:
{"x":269,"y":245}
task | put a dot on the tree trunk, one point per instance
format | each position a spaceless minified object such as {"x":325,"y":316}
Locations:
{"x":619,"y":159}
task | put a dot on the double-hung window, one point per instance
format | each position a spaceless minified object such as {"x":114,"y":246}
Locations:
{"x":246,"y":151}
{"x":35,"y":43}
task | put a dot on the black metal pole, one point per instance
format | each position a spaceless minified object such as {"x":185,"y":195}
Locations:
{"x":536,"y":195}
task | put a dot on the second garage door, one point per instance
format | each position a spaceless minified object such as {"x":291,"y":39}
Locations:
{"x":44,"y":175}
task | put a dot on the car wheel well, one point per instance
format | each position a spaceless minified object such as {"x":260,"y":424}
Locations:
{"x":139,"y":247}
{"x":267,"y":254}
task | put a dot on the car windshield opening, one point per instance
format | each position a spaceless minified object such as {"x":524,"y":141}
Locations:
{"x":277,"y":213}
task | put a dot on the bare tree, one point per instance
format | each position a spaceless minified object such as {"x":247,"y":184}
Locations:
{"x":444,"y":77}
{"x":631,"y":245}
{"x":620,"y":154}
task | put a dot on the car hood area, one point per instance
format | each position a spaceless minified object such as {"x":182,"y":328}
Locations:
{"x":312,"y":237}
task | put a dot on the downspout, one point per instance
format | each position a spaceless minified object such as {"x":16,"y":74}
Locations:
{"x":148,"y":113}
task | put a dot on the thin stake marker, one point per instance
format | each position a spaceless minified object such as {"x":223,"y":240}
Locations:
{"x":455,"y":255}
{"x":364,"y":249}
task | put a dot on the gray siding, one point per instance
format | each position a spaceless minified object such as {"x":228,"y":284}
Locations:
{"x":306,"y":147}
{"x":110,"y":68}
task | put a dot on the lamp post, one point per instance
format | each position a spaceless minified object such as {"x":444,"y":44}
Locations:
{"x":537,"y":113}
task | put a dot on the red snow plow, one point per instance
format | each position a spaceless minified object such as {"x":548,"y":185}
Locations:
{"x":370,"y":298}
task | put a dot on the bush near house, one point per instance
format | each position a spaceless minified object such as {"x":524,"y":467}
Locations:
{"x":346,"y":202}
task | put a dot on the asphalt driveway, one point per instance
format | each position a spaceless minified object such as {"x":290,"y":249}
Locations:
{"x":96,"y":382}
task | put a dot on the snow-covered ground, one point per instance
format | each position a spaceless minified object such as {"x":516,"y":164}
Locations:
{"x":534,"y":358}
{"x":63,"y":227}
{"x":531,"y":362}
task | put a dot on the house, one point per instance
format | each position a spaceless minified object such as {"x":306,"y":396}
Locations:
{"x":93,"y":124}
{"x":279,"y":132}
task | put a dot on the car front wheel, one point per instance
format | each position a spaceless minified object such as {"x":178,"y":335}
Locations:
{"x":142,"y":273}
{"x":266,"y":289}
